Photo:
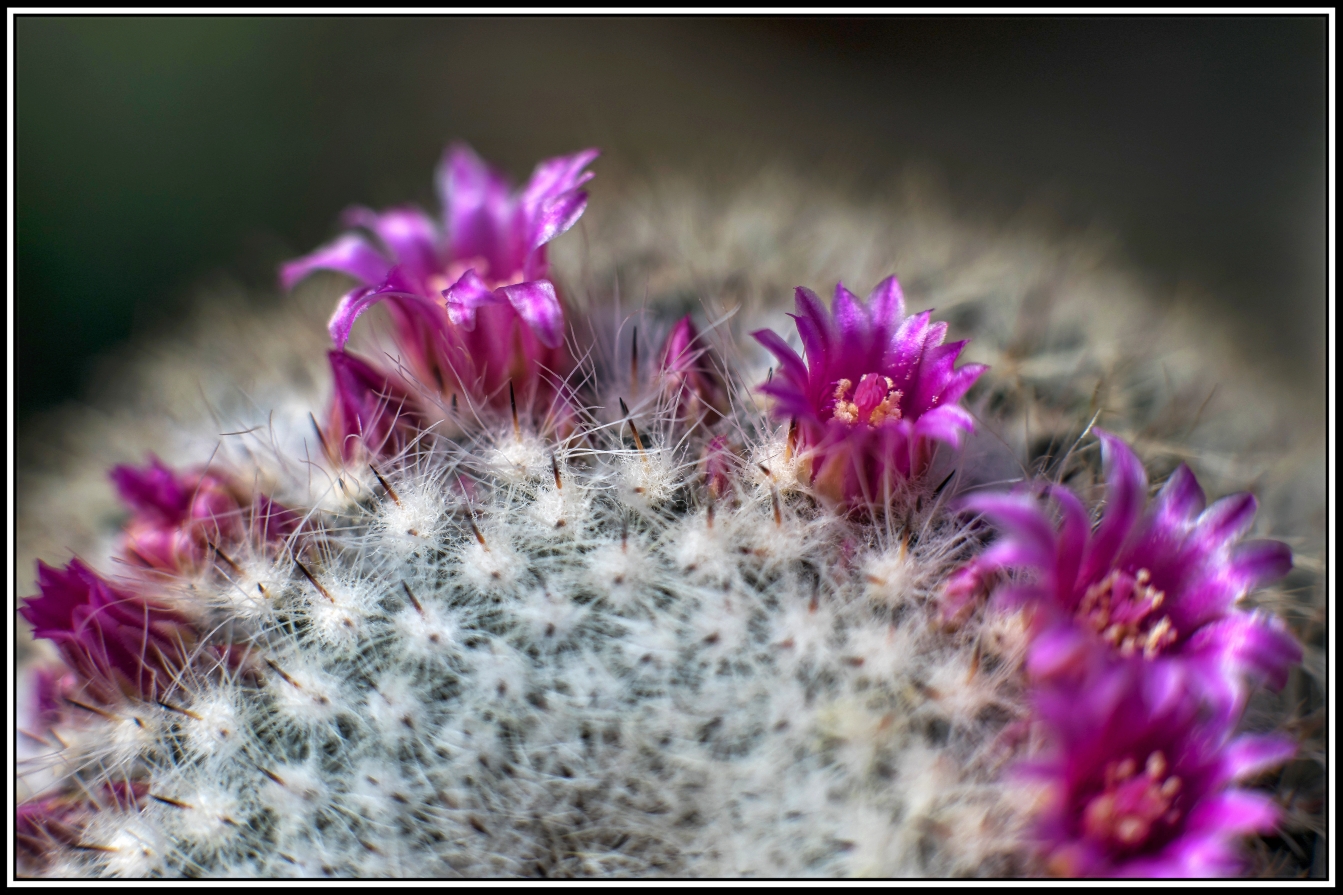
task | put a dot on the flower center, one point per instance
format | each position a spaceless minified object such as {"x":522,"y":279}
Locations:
{"x":875,"y":401}
{"x":1122,"y":608}
{"x":1131,"y":805}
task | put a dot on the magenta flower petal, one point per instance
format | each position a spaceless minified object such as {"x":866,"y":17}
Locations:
{"x":479,"y":211}
{"x":1126,"y":488}
{"x":272,"y":521}
{"x":1179,"y":499}
{"x":875,"y":396}
{"x":887,"y":300}
{"x":178,"y":518}
{"x":1248,"y":642}
{"x":948,"y":424}
{"x":410,"y":236}
{"x":539,"y":307}
{"x":850,"y":320}
{"x":793,"y":367}
{"x":557,"y":215}
{"x":556,"y":176}
{"x":351,"y":305}
{"x":1258,"y":562}
{"x":1032,"y":541}
{"x":118,"y":642}
{"x":1250,"y":755}
{"x":153,"y":491}
{"x":1057,"y":651}
{"x":1156,"y":587}
{"x":473,"y":309}
{"x":1235,"y":812}
{"x":464,"y":297}
{"x":1138,"y":785}
{"x":42,"y":826}
{"x":348,"y":254}
{"x":689,"y":377}
{"x":718,"y":466}
{"x":369,"y":410}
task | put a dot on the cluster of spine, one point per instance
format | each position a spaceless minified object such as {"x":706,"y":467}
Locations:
{"x":550,"y":612}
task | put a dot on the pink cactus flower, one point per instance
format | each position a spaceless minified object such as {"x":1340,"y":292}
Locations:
{"x":473,"y":308}
{"x":718,"y":462}
{"x":119,"y":643}
{"x":876,"y":395}
{"x":41,"y":827}
{"x":178,"y":518}
{"x":689,"y":377}
{"x":1138,"y":781}
{"x":372,"y":413}
{"x":1156,"y":587}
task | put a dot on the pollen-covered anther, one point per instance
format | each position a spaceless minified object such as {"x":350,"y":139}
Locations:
{"x":1120,"y":606}
{"x":1131,"y":805}
{"x":876,"y":400}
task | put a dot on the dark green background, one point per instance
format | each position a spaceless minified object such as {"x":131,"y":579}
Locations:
{"x":153,"y":152}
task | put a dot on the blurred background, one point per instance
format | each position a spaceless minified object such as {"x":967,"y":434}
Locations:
{"x":155,"y":153}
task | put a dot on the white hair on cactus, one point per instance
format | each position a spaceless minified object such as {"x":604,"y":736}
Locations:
{"x":490,"y":564}
{"x":212,"y":726}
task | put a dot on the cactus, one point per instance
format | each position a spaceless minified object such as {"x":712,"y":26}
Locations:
{"x":514,"y":583}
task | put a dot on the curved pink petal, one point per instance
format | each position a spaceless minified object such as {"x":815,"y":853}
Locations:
{"x":885,"y":308}
{"x":408,"y":233}
{"x":348,"y":254}
{"x":948,"y":424}
{"x":1125,"y":493}
{"x":937,"y":332}
{"x":1058,"y":650}
{"x":479,"y":211}
{"x":155,"y":490}
{"x":1023,"y":525}
{"x":850,"y":319}
{"x":1234,"y":812}
{"x":465,"y":296}
{"x":1072,"y":538}
{"x":1180,"y":500}
{"x":539,"y":307}
{"x":348,"y":309}
{"x":120,"y":643}
{"x":792,"y":365}
{"x":1248,"y":642}
{"x":558,"y":175}
{"x":557,"y":215}
{"x":1259,"y":562}
{"x":1250,"y":755}
{"x":904,"y":351}
{"x":819,"y":336}
{"x":368,"y":408}
{"x":1227,"y":519}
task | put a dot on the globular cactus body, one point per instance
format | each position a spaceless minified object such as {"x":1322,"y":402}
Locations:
{"x":516,"y":608}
